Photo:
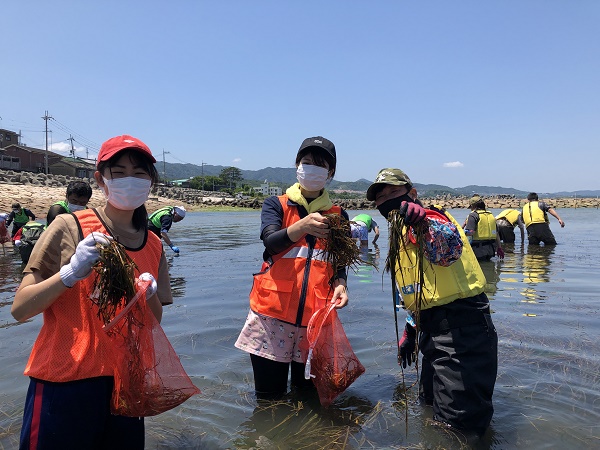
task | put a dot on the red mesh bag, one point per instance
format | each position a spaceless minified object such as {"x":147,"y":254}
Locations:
{"x":149,"y":378}
{"x":331,"y":362}
{"x":4,"y":234}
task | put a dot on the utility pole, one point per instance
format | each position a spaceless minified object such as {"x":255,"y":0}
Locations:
{"x":202,"y":166}
{"x":46,"y":117}
{"x":72,"y":148}
{"x":164,"y":170}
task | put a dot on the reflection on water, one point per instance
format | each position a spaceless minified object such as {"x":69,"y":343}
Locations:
{"x":536,"y":264}
{"x":177,"y":285}
{"x":367,"y":273}
{"x":491,"y":270}
{"x":530,"y":270}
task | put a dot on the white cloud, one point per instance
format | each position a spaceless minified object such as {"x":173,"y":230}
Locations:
{"x":453,"y":164}
{"x":237,"y":160}
{"x":64,"y":148}
{"x":60,"y":147}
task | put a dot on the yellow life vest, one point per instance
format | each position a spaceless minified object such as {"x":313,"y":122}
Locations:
{"x":486,"y":227}
{"x":443,"y":285}
{"x":532,"y":213}
{"x":512,"y":215}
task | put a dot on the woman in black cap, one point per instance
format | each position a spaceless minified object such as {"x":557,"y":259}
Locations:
{"x":294,"y":280}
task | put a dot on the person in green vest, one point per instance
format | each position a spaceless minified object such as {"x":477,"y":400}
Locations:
{"x":19,"y":216}
{"x":26,"y":238}
{"x":160,"y":222}
{"x":480,"y":228}
{"x":77,"y":197}
{"x":361,"y":226}
{"x":535,"y":215}
{"x":506,"y":221}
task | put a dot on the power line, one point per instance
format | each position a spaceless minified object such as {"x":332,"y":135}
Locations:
{"x":83,"y":139}
{"x":184,"y":162}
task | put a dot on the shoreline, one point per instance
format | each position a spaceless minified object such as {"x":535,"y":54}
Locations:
{"x":39,"y":199}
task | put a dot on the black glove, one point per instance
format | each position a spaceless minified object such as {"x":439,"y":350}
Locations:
{"x":407,"y":344}
{"x":413,"y":213}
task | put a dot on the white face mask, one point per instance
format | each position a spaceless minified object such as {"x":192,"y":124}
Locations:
{"x":74,"y":208}
{"x":127,"y":193}
{"x":312,"y":178}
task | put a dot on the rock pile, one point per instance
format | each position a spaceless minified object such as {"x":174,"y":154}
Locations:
{"x":28,"y":188}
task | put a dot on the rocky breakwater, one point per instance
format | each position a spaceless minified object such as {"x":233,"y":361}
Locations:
{"x":491,"y":202}
{"x":38,"y":191}
{"x":506,"y":202}
{"x":197,"y":199}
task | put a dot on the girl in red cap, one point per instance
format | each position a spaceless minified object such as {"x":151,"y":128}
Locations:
{"x":70,"y":366}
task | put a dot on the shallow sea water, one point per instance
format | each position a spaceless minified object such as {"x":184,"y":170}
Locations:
{"x":545,"y":306}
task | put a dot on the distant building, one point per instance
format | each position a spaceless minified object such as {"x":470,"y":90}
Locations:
{"x":74,"y":167}
{"x":185,"y":182}
{"x":29,"y":159}
{"x":267,"y":190}
{"x":16,"y":156}
{"x":8,"y":137}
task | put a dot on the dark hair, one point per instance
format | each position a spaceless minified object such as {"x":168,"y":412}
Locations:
{"x":140,"y":215}
{"x":479,"y":204}
{"x":16,"y":206}
{"x":80,"y":189}
{"x":320,"y":157}
{"x":532,"y":196}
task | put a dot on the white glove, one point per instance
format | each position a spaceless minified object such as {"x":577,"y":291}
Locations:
{"x":17,"y":243}
{"x":152,"y":287}
{"x":86,"y":255}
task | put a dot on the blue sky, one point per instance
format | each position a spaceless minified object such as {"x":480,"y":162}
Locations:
{"x":501,"y":93}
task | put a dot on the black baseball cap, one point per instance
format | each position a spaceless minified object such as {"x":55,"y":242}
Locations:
{"x":318,"y":142}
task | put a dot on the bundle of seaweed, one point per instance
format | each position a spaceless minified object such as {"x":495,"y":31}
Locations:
{"x":114,"y":284}
{"x":398,"y":238}
{"x":341,"y":249}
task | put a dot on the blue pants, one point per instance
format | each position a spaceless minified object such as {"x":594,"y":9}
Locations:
{"x":76,"y":415}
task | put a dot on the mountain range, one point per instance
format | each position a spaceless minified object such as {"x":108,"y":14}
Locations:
{"x":284,"y":177}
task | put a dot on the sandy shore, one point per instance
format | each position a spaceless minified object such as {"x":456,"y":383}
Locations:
{"x":39,"y":198}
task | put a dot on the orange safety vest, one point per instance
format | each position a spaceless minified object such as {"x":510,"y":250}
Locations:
{"x":296,"y":283}
{"x":71,"y":344}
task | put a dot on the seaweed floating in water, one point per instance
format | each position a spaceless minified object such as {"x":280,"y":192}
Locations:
{"x":340,"y":248}
{"x":114,"y":284}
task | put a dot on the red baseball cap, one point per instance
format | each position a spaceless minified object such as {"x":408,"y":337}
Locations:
{"x":118,"y":143}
